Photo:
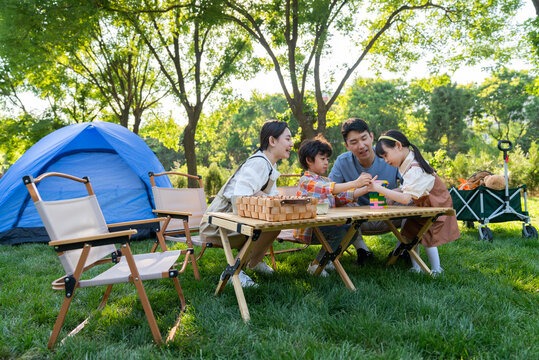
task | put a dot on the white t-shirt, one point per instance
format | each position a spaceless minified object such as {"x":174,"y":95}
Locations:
{"x":252,"y":176}
{"x":416,"y":181}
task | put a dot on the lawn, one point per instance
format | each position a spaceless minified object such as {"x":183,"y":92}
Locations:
{"x":484,"y":306}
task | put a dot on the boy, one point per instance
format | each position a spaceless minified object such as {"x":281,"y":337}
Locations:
{"x":314,"y":158}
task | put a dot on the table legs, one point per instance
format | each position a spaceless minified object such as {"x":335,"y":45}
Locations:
{"x":344,"y":243}
{"x":235,"y":265}
{"x":411,"y":251}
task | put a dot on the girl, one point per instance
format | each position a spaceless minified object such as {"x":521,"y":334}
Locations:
{"x":422,"y":186}
{"x":256,"y":176}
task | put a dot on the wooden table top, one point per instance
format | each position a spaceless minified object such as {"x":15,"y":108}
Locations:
{"x":334,"y":216}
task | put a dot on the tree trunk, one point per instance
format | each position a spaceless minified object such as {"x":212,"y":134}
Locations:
{"x":189,"y":148}
{"x":137,"y":114}
{"x":304,"y":120}
{"x":321,"y":120}
{"x":124,"y":117}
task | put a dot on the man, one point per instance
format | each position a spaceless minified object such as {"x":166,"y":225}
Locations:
{"x":359,"y":159}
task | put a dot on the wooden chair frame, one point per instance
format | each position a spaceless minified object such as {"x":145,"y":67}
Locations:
{"x":183,"y":216}
{"x":70,"y":283}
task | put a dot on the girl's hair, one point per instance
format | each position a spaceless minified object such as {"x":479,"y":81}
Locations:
{"x":400,"y":137}
{"x":271,"y":128}
{"x":310,"y":148}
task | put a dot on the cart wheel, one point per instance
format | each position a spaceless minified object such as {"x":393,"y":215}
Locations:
{"x":469,"y":224}
{"x":528,"y":231}
{"x":485,"y":233}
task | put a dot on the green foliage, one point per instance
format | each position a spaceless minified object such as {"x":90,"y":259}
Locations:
{"x":509,"y":106}
{"x":163,"y":128}
{"x":231,"y":133}
{"x":213,"y":180}
{"x":533,"y":172}
{"x":445,"y":125}
{"x":18,"y":134}
{"x":380,"y":103}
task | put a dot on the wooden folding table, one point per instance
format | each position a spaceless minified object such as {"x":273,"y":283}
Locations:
{"x":252,"y":228}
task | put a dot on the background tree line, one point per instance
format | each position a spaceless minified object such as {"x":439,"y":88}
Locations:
{"x":116,"y":61}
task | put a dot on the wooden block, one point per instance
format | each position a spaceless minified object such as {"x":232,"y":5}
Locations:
{"x":295,"y":216}
{"x":261,"y":201}
{"x":241,"y":212}
{"x":275,"y":210}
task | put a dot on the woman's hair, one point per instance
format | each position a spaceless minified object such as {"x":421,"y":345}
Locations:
{"x":310,"y":148}
{"x":400,"y":137}
{"x":271,"y":128}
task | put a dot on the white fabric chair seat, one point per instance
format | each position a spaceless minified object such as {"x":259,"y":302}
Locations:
{"x":150,"y":267}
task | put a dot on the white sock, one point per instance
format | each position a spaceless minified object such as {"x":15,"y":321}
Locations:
{"x":434,"y":258}
{"x":360,"y":244}
{"x":415,"y":265}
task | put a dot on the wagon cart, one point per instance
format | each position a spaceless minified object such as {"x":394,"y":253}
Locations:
{"x":486,"y":205}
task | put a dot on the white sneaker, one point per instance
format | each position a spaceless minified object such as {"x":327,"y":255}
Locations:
{"x":245,"y":280}
{"x":263,"y":268}
{"x":312,"y":268}
{"x":437,"y":272}
{"x":330,"y":266}
{"x":416,"y":270}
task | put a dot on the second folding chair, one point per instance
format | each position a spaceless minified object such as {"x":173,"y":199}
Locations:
{"x":183,"y":209}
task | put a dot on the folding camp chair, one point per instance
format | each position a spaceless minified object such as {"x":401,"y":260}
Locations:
{"x":183,"y":209}
{"x":81,"y":238}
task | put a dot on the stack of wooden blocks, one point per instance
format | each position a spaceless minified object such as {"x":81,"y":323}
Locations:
{"x":277,"y":208}
{"x":377,"y":200}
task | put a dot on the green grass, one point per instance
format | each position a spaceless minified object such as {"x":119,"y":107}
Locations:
{"x":484,"y":306}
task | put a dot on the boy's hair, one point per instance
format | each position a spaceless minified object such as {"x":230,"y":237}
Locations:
{"x":310,"y":148}
{"x":354,"y":124}
{"x":400,"y":137}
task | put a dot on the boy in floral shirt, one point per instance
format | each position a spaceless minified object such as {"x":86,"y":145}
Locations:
{"x":314,"y":158}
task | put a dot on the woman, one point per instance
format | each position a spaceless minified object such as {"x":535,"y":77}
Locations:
{"x":256,"y":176}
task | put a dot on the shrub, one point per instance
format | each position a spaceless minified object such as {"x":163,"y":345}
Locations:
{"x":532,"y":179}
{"x":213,"y":181}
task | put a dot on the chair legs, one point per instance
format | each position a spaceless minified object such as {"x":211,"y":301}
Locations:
{"x":141,"y":293}
{"x":161,"y":242}
{"x":172,"y":332}
{"x":59,"y":322}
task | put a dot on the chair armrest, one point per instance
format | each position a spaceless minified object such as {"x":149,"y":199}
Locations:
{"x":94,"y":238}
{"x":173,"y":213}
{"x":136,"y":222}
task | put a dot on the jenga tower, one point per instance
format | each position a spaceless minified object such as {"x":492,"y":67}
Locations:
{"x":377,"y":200}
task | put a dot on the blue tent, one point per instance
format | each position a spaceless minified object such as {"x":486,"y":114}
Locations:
{"x":115,"y":159}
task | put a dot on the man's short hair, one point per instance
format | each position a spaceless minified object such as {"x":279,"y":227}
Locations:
{"x":310,"y":148}
{"x":354,"y":124}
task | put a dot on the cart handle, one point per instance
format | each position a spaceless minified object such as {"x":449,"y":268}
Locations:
{"x":505,"y":148}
